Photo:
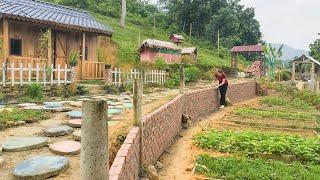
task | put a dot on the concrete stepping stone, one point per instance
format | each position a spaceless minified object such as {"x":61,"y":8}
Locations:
{"x":75,"y":114}
{"x":59,"y":130}
{"x":77,"y":135}
{"x":52,"y":104}
{"x":33,"y":107}
{"x":114,"y":111}
{"x":57,"y":109}
{"x":128,"y":105}
{"x":112,"y":103}
{"x":22,"y":105}
{"x":75,"y":123}
{"x":84,"y":99}
{"x":65,"y":148}
{"x":76,"y":104}
{"x":41,"y":167}
{"x":14,"y":144}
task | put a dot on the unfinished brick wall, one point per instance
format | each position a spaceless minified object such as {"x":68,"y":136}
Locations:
{"x":164,"y":124}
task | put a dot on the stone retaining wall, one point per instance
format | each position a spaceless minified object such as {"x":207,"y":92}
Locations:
{"x":164,"y":124}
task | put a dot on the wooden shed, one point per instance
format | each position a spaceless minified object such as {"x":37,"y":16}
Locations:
{"x":190,"y":52}
{"x":151,"y":49}
{"x":176,"y":38}
{"x":33,"y":31}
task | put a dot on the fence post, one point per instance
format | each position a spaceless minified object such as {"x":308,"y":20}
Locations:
{"x":21,"y":74}
{"x":4,"y":69}
{"x":51,"y":75}
{"x":12,"y":74}
{"x":94,"y":141}
{"x":29,"y":73}
{"x":182,"y":79}
{"x":119,"y":77}
{"x":137,"y":113}
{"x":59,"y":74}
{"x":37,"y":73}
{"x":65,"y":74}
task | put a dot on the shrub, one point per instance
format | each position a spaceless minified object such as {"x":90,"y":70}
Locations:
{"x":285,"y":75}
{"x":161,"y":64}
{"x":35,"y":91}
{"x":173,"y":81}
{"x":82,"y":90}
{"x":192,"y":74}
{"x":74,"y":58}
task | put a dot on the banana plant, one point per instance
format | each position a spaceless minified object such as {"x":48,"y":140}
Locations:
{"x":272,"y":59}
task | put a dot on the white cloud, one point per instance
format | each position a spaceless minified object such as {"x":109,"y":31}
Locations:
{"x":294,"y":22}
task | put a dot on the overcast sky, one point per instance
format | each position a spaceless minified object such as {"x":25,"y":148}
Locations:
{"x":293,"y":22}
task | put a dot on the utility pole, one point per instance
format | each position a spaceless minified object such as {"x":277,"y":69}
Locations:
{"x":190,"y":32}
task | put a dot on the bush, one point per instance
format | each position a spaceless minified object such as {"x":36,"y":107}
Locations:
{"x":35,"y":91}
{"x":161,"y":64}
{"x":192,"y":74}
{"x":82,"y":90}
{"x":173,"y":81}
{"x":285,"y":75}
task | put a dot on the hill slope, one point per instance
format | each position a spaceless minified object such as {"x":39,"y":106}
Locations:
{"x":127,"y":42}
{"x":288,"y":52}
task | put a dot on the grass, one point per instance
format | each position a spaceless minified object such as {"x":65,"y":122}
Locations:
{"x":276,"y":114}
{"x":22,"y":115}
{"x":249,"y":169}
{"x":285,"y":102}
{"x":253,"y":143}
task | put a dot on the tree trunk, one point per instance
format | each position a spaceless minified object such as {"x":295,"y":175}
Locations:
{"x":123,"y":13}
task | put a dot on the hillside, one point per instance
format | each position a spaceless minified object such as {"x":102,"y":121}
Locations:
{"x":288,"y":52}
{"x":127,"y":42}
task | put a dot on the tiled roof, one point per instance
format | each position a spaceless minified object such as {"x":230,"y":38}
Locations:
{"x":153,"y":43}
{"x":251,"y":48}
{"x":188,"y":50}
{"x":51,"y":14}
{"x":177,"y":36}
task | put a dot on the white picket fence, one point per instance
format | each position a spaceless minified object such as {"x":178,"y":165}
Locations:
{"x":149,"y":76}
{"x":21,"y":75}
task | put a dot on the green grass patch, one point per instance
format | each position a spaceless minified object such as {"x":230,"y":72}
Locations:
{"x":22,"y":115}
{"x":252,"y":143}
{"x":242,"y":168}
{"x":289,"y":103}
{"x":276,"y":114}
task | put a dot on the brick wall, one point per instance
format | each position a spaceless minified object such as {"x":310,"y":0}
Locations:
{"x":164,"y":124}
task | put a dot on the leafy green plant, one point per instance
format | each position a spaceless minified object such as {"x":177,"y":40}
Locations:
{"x":173,"y":81}
{"x":74,"y":58}
{"x":192,"y":74}
{"x":35,"y":91}
{"x":22,"y":115}
{"x":161,"y":64}
{"x":257,"y":143}
{"x":243,"y":168}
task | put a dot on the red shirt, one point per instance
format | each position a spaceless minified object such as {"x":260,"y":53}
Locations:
{"x":221,"y":78}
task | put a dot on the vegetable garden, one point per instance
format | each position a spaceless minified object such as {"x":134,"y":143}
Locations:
{"x":276,"y":138}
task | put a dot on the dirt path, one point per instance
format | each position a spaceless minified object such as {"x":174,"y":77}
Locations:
{"x":182,"y":154}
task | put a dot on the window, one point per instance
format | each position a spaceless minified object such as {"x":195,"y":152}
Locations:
{"x":16,"y":47}
{"x":86,"y":53}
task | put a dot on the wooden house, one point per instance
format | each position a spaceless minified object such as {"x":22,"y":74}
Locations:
{"x":176,"y":38}
{"x":33,"y":31}
{"x":152,"y":49}
{"x":190,"y":52}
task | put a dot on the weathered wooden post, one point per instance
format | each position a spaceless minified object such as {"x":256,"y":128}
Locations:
{"x":107,"y":75}
{"x":182,"y":79}
{"x":137,"y":113}
{"x":94,"y":141}
{"x":293,"y":76}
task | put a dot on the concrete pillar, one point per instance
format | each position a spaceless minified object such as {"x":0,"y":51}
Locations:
{"x":182,"y":79}
{"x":94,"y":141}
{"x":107,"y":75}
{"x":293,"y":77}
{"x":137,"y":113}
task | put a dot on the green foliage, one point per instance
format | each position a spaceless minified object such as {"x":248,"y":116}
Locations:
{"x":192,"y":74}
{"x":161,"y":64}
{"x":275,"y":114}
{"x":22,"y":115}
{"x":281,"y":101}
{"x":242,"y":168}
{"x":315,"y":49}
{"x":43,"y":44}
{"x":173,"y":81}
{"x":82,"y":90}
{"x":285,"y":75}
{"x":256,"y":143}
{"x":73,"y":58}
{"x":35,"y":91}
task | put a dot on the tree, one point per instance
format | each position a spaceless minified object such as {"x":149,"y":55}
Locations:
{"x":123,"y":13}
{"x":315,"y":49}
{"x":273,"y":57}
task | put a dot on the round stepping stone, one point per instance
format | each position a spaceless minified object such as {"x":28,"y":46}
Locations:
{"x":114,"y":111}
{"x":119,"y":107}
{"x":41,"y":167}
{"x":112,"y":103}
{"x":75,"y":123}
{"x":77,"y":135}
{"x":65,"y":148}
{"x":14,"y":144}
{"x":26,"y":104}
{"x":128,"y":105}
{"x":76,"y":104}
{"x":75,"y":114}
{"x":34,"y":107}
{"x":59,"y":130}
{"x":84,"y":99}
{"x":52,"y":104}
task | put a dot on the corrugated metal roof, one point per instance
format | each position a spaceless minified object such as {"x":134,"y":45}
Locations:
{"x":48,"y":13}
{"x":250,"y":48}
{"x":306,"y":57}
{"x":153,"y":43}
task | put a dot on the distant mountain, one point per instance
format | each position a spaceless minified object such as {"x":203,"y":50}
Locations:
{"x":288,"y":53}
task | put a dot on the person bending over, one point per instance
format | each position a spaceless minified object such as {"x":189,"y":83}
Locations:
{"x":223,"y":87}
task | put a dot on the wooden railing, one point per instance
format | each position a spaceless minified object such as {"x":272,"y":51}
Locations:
{"x":93,"y":70}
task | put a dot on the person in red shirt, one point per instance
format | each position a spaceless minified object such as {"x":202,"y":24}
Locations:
{"x":223,"y":87}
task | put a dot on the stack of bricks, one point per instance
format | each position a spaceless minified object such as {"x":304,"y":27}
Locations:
{"x":164,"y":124}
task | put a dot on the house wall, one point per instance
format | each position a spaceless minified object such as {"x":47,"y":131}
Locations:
{"x":164,"y":124}
{"x":149,"y":55}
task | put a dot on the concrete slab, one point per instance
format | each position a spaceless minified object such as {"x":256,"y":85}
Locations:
{"x":114,"y":111}
{"x":59,"y":130}
{"x":75,"y":123}
{"x":53,"y":104}
{"x":26,"y":104}
{"x":40,"y":167}
{"x":75,"y":114}
{"x":14,"y":144}
{"x":65,"y":148}
{"x":34,"y":107}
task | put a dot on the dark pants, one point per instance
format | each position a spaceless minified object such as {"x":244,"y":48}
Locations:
{"x":223,"y":92}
